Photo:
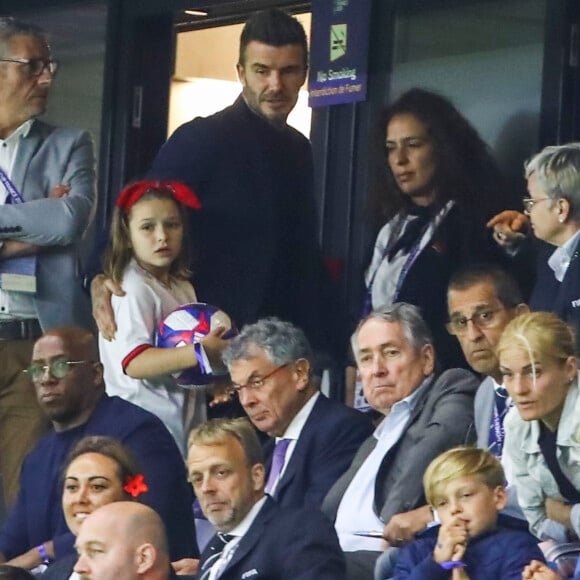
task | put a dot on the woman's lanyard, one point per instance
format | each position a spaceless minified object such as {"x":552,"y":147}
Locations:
{"x":13,"y":194}
{"x":412,"y":256}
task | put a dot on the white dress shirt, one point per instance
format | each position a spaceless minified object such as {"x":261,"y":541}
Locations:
{"x":355,"y":512}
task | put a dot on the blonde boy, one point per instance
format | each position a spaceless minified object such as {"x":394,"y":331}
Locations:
{"x":466,"y":487}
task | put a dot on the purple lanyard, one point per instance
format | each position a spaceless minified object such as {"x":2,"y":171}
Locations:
{"x":368,"y":305}
{"x":502,"y":404}
{"x":13,"y":193}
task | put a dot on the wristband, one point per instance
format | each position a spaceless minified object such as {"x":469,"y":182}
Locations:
{"x":450,"y":564}
{"x":202,"y":359}
{"x":46,"y":559}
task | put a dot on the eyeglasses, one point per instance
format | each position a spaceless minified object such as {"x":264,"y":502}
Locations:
{"x":36,"y":66}
{"x":58,"y":368}
{"x":256,"y":382}
{"x":482,"y":319}
{"x":530,"y":202}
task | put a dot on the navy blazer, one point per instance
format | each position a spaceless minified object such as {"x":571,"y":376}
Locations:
{"x":327,"y":444}
{"x":285,"y":543}
{"x":561,"y":298}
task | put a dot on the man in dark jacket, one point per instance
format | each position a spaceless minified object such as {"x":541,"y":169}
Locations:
{"x":255,"y":237}
{"x":256,"y":538}
{"x":67,"y":376}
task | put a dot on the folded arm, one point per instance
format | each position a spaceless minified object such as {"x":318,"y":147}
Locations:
{"x":56,"y":221}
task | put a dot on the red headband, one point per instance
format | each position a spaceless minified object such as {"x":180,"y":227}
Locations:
{"x":133,"y":193}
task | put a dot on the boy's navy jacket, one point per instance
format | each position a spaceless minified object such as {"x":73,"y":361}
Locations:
{"x":501,"y":554}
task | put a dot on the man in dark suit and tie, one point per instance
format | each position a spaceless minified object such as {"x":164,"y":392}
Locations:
{"x":425,"y":414}
{"x":315,"y":437}
{"x":47,"y":195}
{"x":256,"y":539}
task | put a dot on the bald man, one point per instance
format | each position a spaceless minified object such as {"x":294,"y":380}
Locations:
{"x":123,"y":540}
{"x":68,"y":379}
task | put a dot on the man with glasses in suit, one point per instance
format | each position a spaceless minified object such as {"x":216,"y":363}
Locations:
{"x":47,"y":188}
{"x":313,"y":438}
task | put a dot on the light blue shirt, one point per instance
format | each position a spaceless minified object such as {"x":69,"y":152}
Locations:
{"x":355,"y":512}
{"x":562,"y":256}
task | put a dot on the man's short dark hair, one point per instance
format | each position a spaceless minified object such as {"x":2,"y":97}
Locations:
{"x":506,"y":288}
{"x":274,"y":27}
{"x":10,"y":27}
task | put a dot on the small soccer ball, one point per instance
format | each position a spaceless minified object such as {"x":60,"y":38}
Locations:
{"x":188,"y":324}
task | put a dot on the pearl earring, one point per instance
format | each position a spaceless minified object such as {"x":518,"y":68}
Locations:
{"x":561,"y":220}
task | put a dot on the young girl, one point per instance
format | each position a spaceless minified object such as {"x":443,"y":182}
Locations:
{"x":147,"y":254}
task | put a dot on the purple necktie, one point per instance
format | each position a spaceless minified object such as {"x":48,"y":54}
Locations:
{"x":277,"y":462}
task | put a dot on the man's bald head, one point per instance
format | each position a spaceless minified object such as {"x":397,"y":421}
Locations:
{"x":76,"y":339}
{"x":123,"y":540}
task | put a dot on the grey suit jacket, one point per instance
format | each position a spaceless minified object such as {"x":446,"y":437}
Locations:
{"x":49,"y":156}
{"x":440,"y":420}
{"x":484,"y":403}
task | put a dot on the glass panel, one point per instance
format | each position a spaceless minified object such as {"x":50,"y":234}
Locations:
{"x":485,"y":56}
{"x":77,"y":38}
{"x":205,"y":79}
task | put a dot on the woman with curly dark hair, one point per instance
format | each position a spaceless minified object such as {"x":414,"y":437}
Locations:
{"x":440,"y":187}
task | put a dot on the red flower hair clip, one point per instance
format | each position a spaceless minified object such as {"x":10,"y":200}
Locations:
{"x":135,"y":485}
{"x":134,"y":192}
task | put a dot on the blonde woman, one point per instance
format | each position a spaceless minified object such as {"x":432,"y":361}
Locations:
{"x":537,"y":360}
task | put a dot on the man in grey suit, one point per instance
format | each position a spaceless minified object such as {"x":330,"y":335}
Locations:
{"x":482,"y":299}
{"x":47,"y":188}
{"x":425,"y":414}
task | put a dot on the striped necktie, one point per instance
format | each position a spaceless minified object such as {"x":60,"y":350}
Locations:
{"x":216,"y":546}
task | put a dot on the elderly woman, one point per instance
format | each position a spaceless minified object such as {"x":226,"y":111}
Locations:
{"x":537,"y":360}
{"x":441,"y":187}
{"x":553,"y":210}
{"x":99,"y":471}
